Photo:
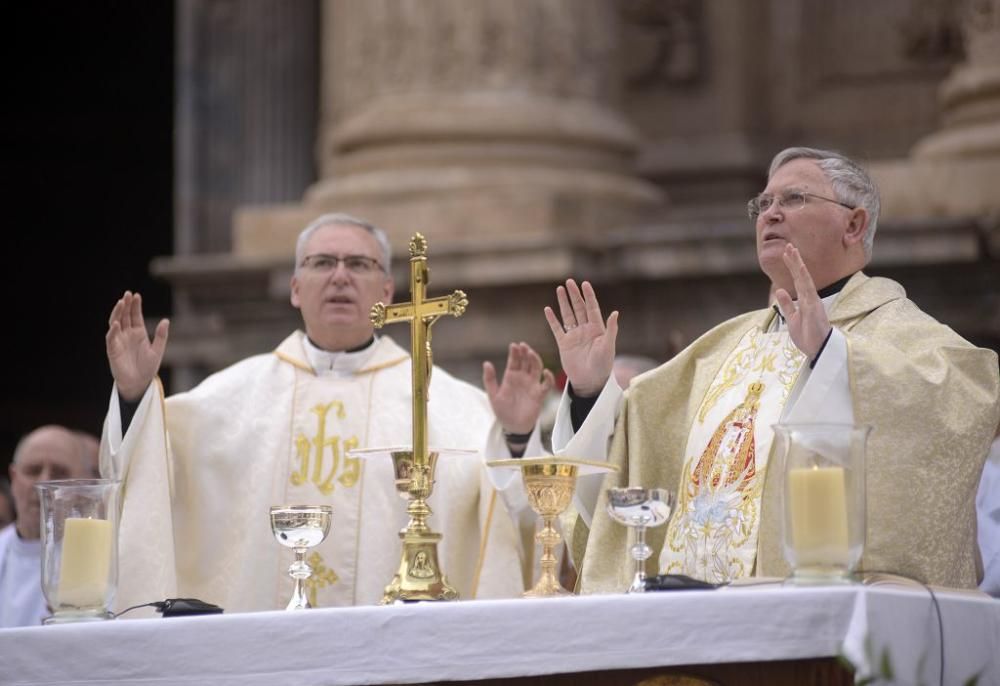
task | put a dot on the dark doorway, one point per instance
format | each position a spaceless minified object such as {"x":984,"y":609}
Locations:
{"x":87,"y":166}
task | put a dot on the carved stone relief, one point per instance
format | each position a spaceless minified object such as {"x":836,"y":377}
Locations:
{"x":666,"y":42}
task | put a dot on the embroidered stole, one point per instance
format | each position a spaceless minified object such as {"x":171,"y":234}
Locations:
{"x":713,"y":533}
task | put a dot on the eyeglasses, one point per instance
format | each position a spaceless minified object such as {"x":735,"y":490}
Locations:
{"x":355,"y":264}
{"x":790,"y":200}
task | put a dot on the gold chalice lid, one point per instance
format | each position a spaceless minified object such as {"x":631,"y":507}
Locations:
{"x":406,"y":449}
{"x":582,"y":466}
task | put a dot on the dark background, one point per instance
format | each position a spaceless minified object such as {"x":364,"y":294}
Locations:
{"x":86,"y":132}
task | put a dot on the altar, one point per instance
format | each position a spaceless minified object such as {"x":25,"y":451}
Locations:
{"x":753,"y":635}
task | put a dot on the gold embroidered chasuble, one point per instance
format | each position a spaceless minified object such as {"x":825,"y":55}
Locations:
{"x":202,"y":469}
{"x":713,"y":532}
{"x":932,"y":398}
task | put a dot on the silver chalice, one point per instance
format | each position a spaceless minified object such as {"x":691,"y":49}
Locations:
{"x":639,"y":508}
{"x":300,"y":527}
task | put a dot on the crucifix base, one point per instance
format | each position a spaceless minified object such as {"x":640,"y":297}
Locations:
{"x":419,"y":576}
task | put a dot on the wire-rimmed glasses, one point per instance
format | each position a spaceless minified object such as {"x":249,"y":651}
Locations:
{"x":790,"y":200}
{"x":321,"y":263}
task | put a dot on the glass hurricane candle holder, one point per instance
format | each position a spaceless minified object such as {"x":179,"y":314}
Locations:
{"x":823,"y":499}
{"x":79,"y":548}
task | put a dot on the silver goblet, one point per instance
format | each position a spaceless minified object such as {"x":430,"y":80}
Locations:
{"x":300,"y":527}
{"x":639,"y":508}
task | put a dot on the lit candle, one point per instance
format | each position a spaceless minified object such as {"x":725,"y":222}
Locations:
{"x":818,"y":516}
{"x":86,"y":562}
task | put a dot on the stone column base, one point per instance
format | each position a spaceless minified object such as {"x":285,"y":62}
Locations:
{"x":920,"y":187}
{"x":447,"y":203}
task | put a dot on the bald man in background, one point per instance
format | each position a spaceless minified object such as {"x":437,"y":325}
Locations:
{"x":48,"y":453}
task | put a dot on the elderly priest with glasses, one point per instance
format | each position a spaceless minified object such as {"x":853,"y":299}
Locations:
{"x":202,"y":468}
{"x":838,"y":346}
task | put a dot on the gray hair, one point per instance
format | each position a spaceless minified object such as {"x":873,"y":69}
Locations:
{"x":851,"y":183}
{"x":341,"y":219}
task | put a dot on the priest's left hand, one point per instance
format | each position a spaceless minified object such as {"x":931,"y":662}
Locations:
{"x":806,"y":317}
{"x":517,"y":401}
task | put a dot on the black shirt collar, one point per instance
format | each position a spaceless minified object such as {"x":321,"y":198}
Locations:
{"x":835,"y":287}
{"x":825,"y":292}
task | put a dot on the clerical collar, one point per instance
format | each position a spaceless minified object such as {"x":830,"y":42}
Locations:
{"x":340,"y":363}
{"x":825,"y":294}
{"x":835,"y":287}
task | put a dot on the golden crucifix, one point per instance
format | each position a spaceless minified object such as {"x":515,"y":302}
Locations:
{"x":419,"y":576}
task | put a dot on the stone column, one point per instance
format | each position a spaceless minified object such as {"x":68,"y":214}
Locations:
{"x":245,"y":114}
{"x":970,"y":97}
{"x":467,"y":119}
{"x":952,"y":172}
{"x":941,"y":204}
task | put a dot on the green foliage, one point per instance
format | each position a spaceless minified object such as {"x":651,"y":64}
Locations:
{"x":885,"y":674}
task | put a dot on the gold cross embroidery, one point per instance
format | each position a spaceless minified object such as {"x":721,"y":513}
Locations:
{"x":322,"y":576}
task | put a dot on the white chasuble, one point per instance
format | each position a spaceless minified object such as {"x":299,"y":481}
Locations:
{"x":201,"y":470}
{"x":713,"y":532}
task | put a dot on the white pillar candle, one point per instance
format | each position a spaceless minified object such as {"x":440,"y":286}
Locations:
{"x":86,"y":562}
{"x":818,"y":516}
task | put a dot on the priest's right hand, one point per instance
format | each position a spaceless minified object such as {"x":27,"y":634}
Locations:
{"x":586,"y":342}
{"x":134,"y":360}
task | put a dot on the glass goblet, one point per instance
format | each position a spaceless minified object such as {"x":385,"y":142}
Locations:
{"x":639,"y":508}
{"x":300,"y":527}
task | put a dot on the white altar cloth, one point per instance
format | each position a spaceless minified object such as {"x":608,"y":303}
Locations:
{"x":496,"y":639}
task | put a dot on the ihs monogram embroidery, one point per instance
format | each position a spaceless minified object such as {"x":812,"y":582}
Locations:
{"x":313,"y":453}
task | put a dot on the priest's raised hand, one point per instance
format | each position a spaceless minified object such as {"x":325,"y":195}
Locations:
{"x":808,"y":323}
{"x":586,"y":341}
{"x":133,"y":358}
{"x":517,"y":400}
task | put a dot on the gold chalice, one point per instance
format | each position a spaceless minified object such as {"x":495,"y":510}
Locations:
{"x":300,"y":527}
{"x":550,"y":483}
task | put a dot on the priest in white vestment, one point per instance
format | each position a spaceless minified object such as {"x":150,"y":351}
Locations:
{"x":201,"y":469}
{"x":838,"y":347}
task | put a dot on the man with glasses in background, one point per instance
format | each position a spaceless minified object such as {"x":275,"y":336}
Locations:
{"x":838,"y":346}
{"x":202,"y":468}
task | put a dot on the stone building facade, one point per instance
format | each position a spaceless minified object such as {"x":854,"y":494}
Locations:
{"x":534,"y":140}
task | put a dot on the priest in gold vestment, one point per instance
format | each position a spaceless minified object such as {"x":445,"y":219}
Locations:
{"x":202,"y":468}
{"x":837,"y":347}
